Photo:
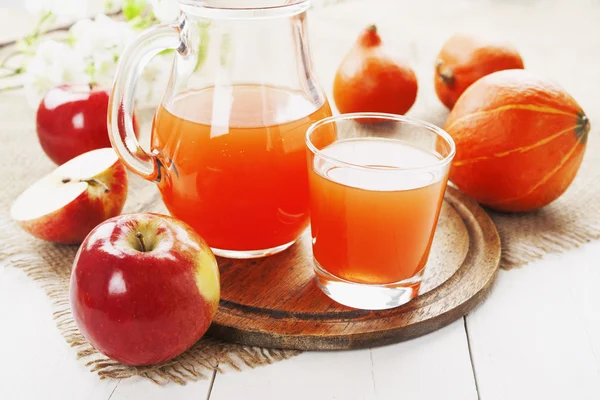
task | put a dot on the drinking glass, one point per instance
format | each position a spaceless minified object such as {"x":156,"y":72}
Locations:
{"x":376,"y":186}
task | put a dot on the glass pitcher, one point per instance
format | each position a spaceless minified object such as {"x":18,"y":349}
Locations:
{"x":227,"y":145}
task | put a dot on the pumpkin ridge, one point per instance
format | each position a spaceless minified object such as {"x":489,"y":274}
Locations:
{"x":527,"y":107}
{"x":521,"y":149}
{"x":544,"y":179}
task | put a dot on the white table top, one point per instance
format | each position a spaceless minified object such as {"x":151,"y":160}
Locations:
{"x":537,"y":336}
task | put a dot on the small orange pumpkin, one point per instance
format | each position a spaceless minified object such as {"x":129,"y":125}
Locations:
{"x":519,"y":140}
{"x":464,"y":59}
{"x":370,"y":79}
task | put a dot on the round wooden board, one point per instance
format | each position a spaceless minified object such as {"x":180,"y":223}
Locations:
{"x":275,"y":302}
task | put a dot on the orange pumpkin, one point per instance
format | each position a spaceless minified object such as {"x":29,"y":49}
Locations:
{"x":464,"y":59}
{"x":519,"y":140}
{"x":371,"y":79}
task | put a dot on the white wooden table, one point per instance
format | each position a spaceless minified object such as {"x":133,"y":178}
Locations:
{"x":537,"y":336}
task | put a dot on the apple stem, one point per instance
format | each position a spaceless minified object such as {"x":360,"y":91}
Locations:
{"x":140,"y":238}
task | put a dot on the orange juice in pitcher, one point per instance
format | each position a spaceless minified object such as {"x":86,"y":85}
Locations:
{"x":227,"y":147}
{"x":242,"y":186}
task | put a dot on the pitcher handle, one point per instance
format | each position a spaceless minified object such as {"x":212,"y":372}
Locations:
{"x":120,"y":109}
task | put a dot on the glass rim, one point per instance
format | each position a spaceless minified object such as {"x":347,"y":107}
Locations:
{"x":391,"y":117}
{"x":212,"y":9}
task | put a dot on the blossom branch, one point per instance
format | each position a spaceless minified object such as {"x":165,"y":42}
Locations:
{"x":62,"y":28}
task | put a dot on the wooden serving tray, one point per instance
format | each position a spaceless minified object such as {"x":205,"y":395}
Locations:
{"x":275,"y":302}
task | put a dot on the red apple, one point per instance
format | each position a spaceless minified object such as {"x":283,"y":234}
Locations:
{"x":65,"y":205}
{"x":71,"y":120}
{"x":144,"y":288}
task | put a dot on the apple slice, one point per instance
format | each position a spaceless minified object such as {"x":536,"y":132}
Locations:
{"x":65,"y":205}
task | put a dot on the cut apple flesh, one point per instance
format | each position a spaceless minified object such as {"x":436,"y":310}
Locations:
{"x":63,"y":185}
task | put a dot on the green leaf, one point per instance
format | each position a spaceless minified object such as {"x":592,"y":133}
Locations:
{"x":133,"y":8}
{"x":44,"y":22}
{"x":46,"y":19}
{"x":90,"y":70}
{"x":71,"y":39}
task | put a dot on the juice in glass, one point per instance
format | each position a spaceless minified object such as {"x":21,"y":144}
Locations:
{"x":237,"y":164}
{"x":373,"y":228}
{"x":375,"y":199}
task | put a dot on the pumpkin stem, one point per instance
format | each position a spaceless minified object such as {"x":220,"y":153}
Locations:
{"x":583,"y":127}
{"x":447,"y":75}
{"x":369,"y":37}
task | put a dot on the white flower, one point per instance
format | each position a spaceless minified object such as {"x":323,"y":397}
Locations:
{"x":104,"y":67}
{"x":100,"y":43}
{"x":52,"y":64}
{"x":100,"y":35}
{"x":66,"y":10}
{"x":90,"y":57}
{"x":165,"y":10}
{"x":153,"y":81}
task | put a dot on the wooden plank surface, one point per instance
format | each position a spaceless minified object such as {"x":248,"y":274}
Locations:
{"x":311,"y":375}
{"x":35,"y":361}
{"x":435,"y":366}
{"x":428,"y":367}
{"x":142,"y":389}
{"x":537,"y":336}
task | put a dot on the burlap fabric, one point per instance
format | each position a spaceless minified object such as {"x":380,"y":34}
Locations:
{"x":556,"y":38}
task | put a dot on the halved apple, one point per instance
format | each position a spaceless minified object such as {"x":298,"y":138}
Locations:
{"x":65,"y":205}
